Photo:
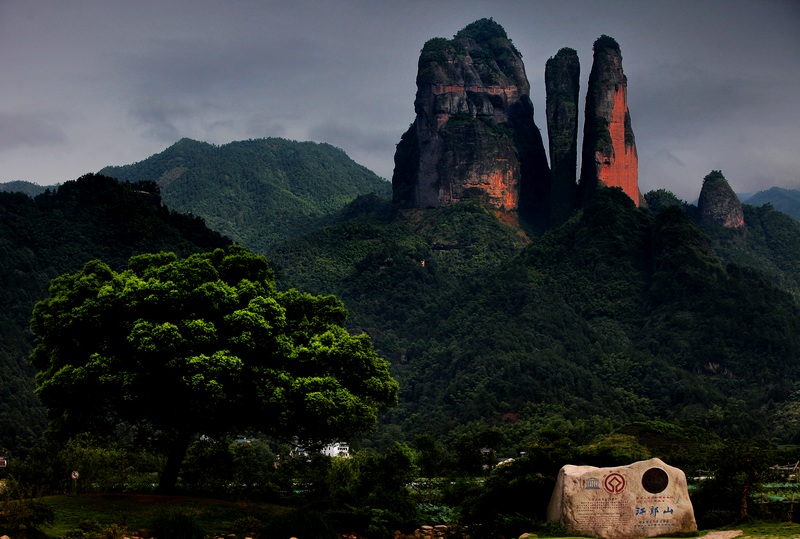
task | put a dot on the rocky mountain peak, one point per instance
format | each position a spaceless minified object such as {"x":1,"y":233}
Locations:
{"x":562,"y":83}
{"x":474,"y":132}
{"x":609,"y":155}
{"x":719,"y":204}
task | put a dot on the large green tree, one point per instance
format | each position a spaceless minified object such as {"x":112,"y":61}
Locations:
{"x":202,"y":345}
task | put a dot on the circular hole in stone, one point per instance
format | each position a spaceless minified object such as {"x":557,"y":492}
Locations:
{"x":655,"y":480}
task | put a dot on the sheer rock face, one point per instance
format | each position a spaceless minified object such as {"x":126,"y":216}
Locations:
{"x":719,"y":204}
{"x":474,"y":131}
{"x":609,"y":155}
{"x":562,"y":83}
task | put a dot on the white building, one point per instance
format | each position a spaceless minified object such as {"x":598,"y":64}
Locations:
{"x":337,"y":449}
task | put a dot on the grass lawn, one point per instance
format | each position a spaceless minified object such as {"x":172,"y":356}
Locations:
{"x":137,"y":511}
{"x":769,"y":530}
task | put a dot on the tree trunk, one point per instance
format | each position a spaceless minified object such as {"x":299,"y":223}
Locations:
{"x":743,"y":501}
{"x":175,"y":456}
{"x":752,"y":479}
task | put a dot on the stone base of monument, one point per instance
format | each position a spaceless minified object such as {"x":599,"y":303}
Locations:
{"x":644,"y":499}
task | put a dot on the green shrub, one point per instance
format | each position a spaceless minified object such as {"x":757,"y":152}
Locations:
{"x":87,"y":529}
{"x":716,"y":518}
{"x":178,"y":525}
{"x":300,"y":523}
{"x":246,"y":526}
{"x":91,"y":529}
{"x":551,"y":529}
{"x":21,"y":509}
{"x":502,"y":525}
{"x":432,"y":514}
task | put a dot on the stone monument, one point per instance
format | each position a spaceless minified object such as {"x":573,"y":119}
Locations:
{"x":644,"y":499}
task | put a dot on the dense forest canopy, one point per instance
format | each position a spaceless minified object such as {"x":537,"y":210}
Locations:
{"x":620,"y":315}
{"x":622,"y":334}
{"x":59,"y":231}
{"x":256,"y":192}
{"x":177,"y":348}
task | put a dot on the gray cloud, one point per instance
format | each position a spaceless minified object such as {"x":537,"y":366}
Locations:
{"x":29,"y":130}
{"x":712,"y":84}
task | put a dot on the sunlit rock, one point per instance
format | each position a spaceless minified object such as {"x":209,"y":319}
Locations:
{"x":644,"y":499}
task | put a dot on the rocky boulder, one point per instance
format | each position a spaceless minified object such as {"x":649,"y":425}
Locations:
{"x":474,"y":132}
{"x":644,"y":499}
{"x":609,"y":155}
{"x":718,"y":203}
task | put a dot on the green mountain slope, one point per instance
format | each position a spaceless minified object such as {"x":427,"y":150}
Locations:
{"x":57,"y":232}
{"x":619,"y":315}
{"x":785,"y":200}
{"x":258,"y":192}
{"x":770,"y":246}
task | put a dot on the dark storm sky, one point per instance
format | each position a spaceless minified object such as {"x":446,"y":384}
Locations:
{"x":87,"y":83}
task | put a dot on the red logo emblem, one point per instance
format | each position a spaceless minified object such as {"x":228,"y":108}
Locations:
{"x":614,"y":483}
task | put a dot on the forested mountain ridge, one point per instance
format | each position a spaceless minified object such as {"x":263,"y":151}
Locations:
{"x":784,"y":200}
{"x":257,"y":192}
{"x":770,"y":245}
{"x":93,"y":217}
{"x":761,"y":238}
{"x":618,"y":316}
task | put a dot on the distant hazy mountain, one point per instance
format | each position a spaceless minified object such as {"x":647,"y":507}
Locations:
{"x":785,"y":200}
{"x":30,"y":189}
{"x":257,"y":192}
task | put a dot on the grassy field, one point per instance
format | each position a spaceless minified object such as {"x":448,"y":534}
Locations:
{"x":138,"y":511}
{"x":769,"y":530}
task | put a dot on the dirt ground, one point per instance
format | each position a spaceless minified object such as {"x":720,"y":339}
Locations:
{"x":730,"y":534}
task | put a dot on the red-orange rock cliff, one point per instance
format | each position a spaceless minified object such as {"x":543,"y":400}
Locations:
{"x":609,"y":147}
